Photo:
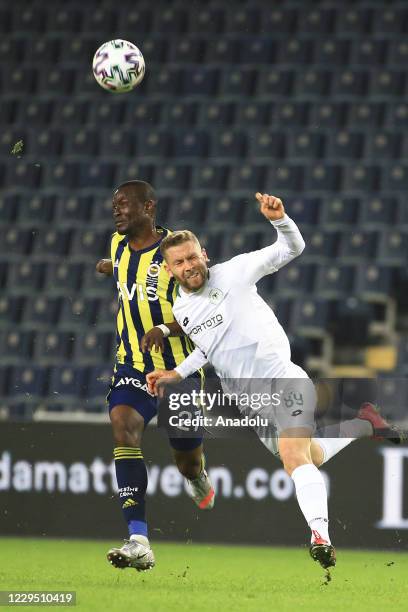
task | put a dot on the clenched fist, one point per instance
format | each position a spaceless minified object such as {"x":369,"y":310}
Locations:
{"x":270,"y":206}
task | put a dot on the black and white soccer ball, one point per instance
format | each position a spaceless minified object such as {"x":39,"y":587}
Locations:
{"x":118,"y":66}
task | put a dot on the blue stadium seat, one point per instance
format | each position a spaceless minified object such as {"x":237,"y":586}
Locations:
{"x":133,"y":170}
{"x":82,"y":142}
{"x":198,"y":81}
{"x":350,"y":83}
{"x":12,"y":50}
{"x":329,"y":53}
{"x":24,"y":174}
{"x":274,"y":83}
{"x":99,"y":19}
{"x":395,"y":177}
{"x":62,"y":175}
{"x":166,"y":79}
{"x":286,"y":177}
{"x":135,"y":19}
{"x":361,"y":177}
{"x":9,"y":207}
{"x":95,"y":284}
{"x":306,"y":211}
{"x":353,"y":21}
{"x":398,"y":53}
{"x":118,"y":142}
{"x":334,"y":281}
{"x":252,"y":113}
{"x":383,"y":145}
{"x":323,"y":177}
{"x":70,"y":111}
{"x":402,"y":213}
{"x":320,"y":246}
{"x":294,"y":52}
{"x":190,"y":144}
{"x":208,"y":20}
{"x":294,"y":280}
{"x":317,"y":20}
{"x":217,"y":114}
{"x":310,"y":316}
{"x":357,"y":245}
{"x":66,"y":381}
{"x":73,"y":210}
{"x":77,"y":313}
{"x":257,"y":51}
{"x":397,"y":115}
{"x":393,"y":248}
{"x":350,"y":321}
{"x":313,"y":83}
{"x":96,"y":384}
{"x":210,"y":177}
{"x":93,"y":347}
{"x":106,"y":311}
{"x":96,"y":174}
{"x":180,"y":113}
{"x":15,"y":241}
{"x":58,"y":81}
{"x":170,"y":20}
{"x":305,"y":145}
{"x":76,"y":47}
{"x":11,"y":309}
{"x":45,"y":143}
{"x":89,"y":244}
{"x":172,"y":176}
{"x":27,"y":381}
{"x":51,"y":243}
{"x":212,"y":241}
{"x":155,"y":50}
{"x":266,"y":144}
{"x":365,"y":114}
{"x":245,"y":177}
{"x":373,"y":282}
{"x":22,"y":81}
{"x":65,"y":19}
{"x":36,"y":112}
{"x":387,"y":84}
{"x":377,"y":212}
{"x":29,"y":20}
{"x":154,"y":143}
{"x":345,"y":145}
{"x":190,"y":212}
{"x":227,"y":144}
{"x":280,"y":19}
{"x":25,"y":278}
{"x":107,"y":114}
{"x":225,"y":211}
{"x":62,"y":277}
{"x":238,"y":242}
{"x":291,"y":114}
{"x":328,"y":114}
{"x":9,"y":110}
{"x":53,"y":347}
{"x":188,"y":50}
{"x":390,"y":19}
{"x":42,"y":311}
{"x":243,"y":20}
{"x":369,"y":52}
{"x":17,"y":346}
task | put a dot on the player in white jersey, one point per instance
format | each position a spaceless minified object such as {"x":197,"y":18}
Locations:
{"x":238,"y":333}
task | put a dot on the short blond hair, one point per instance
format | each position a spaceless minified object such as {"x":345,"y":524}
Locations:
{"x":177,"y":238}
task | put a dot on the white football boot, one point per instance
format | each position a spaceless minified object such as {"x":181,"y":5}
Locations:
{"x":132,"y":554}
{"x":201,"y":490}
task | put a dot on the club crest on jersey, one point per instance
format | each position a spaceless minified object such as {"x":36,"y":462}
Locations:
{"x":215,"y":296}
{"x":154,"y":269}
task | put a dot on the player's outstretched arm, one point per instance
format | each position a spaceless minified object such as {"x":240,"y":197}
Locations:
{"x":155,"y":336}
{"x":104,"y":266}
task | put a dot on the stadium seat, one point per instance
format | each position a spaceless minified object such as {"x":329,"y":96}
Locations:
{"x":305,"y":145}
{"x":294,"y":280}
{"x":265,"y":144}
{"x":208,"y":20}
{"x":345,"y":145}
{"x":365,"y":114}
{"x":280,"y":19}
{"x":63,"y":277}
{"x":390,"y":19}
{"x":105,"y":114}
{"x":243,"y":21}
{"x":356,"y":245}
{"x":16,"y":241}
{"x":392,"y":247}
{"x":137,"y":19}
{"x":353,"y":21}
{"x":26,"y":175}
{"x":333,"y":281}
{"x":320,"y":245}
{"x":246,"y":177}
{"x":76,"y":47}
{"x":96,"y":383}
{"x":25,"y":278}
{"x":383,"y":145}
{"x":9,"y":207}
{"x":273,"y":83}
{"x":155,"y":50}
{"x":180,"y":113}
{"x":373,"y":282}
{"x":36,"y":209}
{"x":350,"y":84}
{"x":312,"y":83}
{"x":53,"y":347}
{"x":361,"y":178}
{"x":209,"y":177}
{"x":190,"y":212}
{"x":99,"y":19}
{"x":239,"y":242}
{"x":170,"y":20}
{"x":377,"y":212}
{"x":77,"y":313}
{"x":216,"y":114}
{"x":51,"y":243}
{"x":26,"y":19}
{"x":58,"y":81}
{"x":291,"y":114}
{"x":93,"y":347}
{"x":62,"y":175}
{"x":67,"y":110}
{"x":310,"y":316}
{"x":11,"y":309}
{"x":188,"y":50}
{"x":328,"y":114}
{"x":105,"y":314}
{"x":257,"y":51}
{"x":42,"y":312}
{"x":172,"y":176}
{"x":73,"y":210}
{"x":65,"y":19}
{"x":82,"y":142}
{"x":387,"y":84}
{"x":252,"y":113}
{"x":286,"y":178}
{"x":369,"y":52}
{"x":332,"y":52}
{"x":89,"y":245}
{"x":294,"y":52}
{"x":17,"y":346}
{"x":189,"y":144}
{"x":395,"y":177}
{"x":225,"y":211}
{"x":317,"y":20}
{"x":28,"y":381}
{"x":66,"y":381}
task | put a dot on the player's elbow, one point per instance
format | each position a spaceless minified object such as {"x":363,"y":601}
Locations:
{"x":300,"y":247}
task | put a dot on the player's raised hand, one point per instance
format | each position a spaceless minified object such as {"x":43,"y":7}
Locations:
{"x":104,"y":266}
{"x":158,"y":379}
{"x":270,"y":206}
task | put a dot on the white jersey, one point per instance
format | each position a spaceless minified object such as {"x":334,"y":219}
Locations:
{"x":231,"y":325}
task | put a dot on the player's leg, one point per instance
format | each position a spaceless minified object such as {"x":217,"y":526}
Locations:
{"x":189,"y":457}
{"x":130,"y":409}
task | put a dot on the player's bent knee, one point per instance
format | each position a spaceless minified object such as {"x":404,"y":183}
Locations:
{"x":127,"y":426}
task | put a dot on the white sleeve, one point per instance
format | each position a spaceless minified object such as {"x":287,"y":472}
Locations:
{"x":192,"y":363}
{"x":250,"y":267}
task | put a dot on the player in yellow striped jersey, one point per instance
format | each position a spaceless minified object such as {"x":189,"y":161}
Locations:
{"x":145,"y":298}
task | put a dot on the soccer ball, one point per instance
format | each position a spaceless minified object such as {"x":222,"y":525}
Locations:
{"x":118,"y":66}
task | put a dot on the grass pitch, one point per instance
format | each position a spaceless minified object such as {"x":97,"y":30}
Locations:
{"x":204,"y":577}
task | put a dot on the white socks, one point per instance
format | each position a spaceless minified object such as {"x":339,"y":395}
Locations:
{"x":332,"y":446}
{"x":311,"y":494}
{"x":141,"y":539}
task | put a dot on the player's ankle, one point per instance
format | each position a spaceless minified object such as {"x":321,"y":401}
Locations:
{"x":141,"y":539}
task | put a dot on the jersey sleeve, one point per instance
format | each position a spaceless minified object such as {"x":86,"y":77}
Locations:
{"x":250,"y":267}
{"x":192,"y":363}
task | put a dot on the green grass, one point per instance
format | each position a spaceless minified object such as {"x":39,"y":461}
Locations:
{"x":206,"y":577}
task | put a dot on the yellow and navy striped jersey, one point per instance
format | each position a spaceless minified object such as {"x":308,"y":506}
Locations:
{"x":146,"y":294}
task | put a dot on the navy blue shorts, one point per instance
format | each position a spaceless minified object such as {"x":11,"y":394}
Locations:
{"x":129,"y":388}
